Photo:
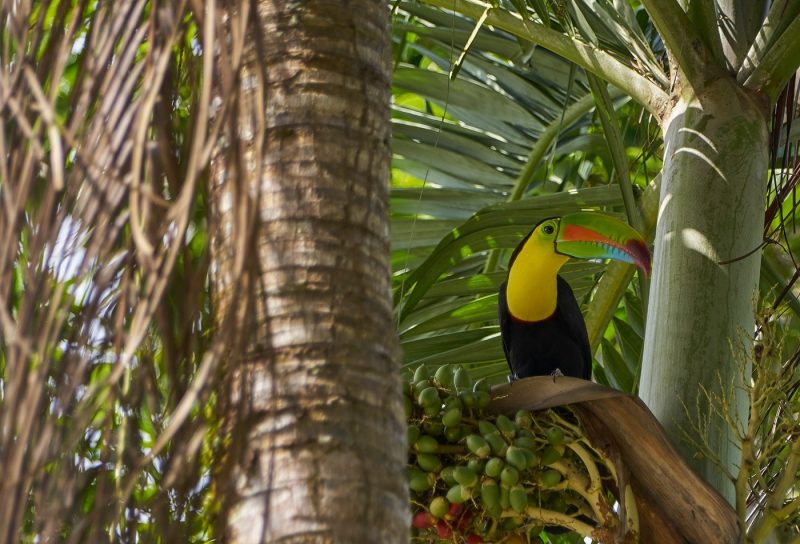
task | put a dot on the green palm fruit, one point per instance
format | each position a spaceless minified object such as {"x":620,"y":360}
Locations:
{"x":478,"y":445}
{"x":421,"y":373}
{"x":504,"y":498}
{"x":506,"y":427}
{"x":439,"y":507}
{"x":429,"y":462}
{"x":468,"y":399}
{"x":453,"y":434}
{"x":518,"y":497}
{"x":451,"y":402}
{"x":477,"y":464}
{"x":549,"y":478}
{"x":509,"y":476}
{"x":426,"y":444}
{"x":420,"y":481}
{"x":446,"y":474}
{"x":525,"y":433}
{"x":452,"y":417}
{"x":531,"y":458}
{"x":465,"y":476}
{"x":429,"y":397}
{"x":420,"y":385}
{"x":444,"y":376}
{"x":516,"y":457}
{"x":413,"y":433}
{"x":458,"y":494}
{"x":461,"y":380}
{"x":486,"y":427}
{"x":497,"y":443}
{"x":408,"y":406}
{"x":490,"y":495}
{"x":525,"y":442}
{"x":551,"y":454}
{"x":493,"y":467}
{"x":523,"y":419}
{"x":555,"y":435}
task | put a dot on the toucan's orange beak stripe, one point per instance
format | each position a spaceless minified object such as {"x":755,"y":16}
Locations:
{"x":583,"y":234}
{"x":598,"y":236}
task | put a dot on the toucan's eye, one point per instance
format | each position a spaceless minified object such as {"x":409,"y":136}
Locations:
{"x":548,"y":229}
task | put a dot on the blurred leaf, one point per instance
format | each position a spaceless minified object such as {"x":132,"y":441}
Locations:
{"x":633,"y":313}
{"x":630,"y":343}
{"x":457,"y":165}
{"x":485,"y":349}
{"x":617,"y":372}
{"x":441,"y":316}
{"x":417,"y":349}
{"x":441,"y":138}
{"x":485,"y":104}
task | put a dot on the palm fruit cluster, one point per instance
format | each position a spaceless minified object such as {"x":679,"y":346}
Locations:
{"x":480,"y":477}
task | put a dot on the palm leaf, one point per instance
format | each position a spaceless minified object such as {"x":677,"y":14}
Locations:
{"x":460,"y":149}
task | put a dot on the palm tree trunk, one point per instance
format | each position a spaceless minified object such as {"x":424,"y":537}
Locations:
{"x":706,"y":269}
{"x":314,"y":407}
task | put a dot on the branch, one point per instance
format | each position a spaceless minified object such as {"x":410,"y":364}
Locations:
{"x":775,"y":23}
{"x":778,"y":62}
{"x":551,"y":517}
{"x":776,"y":509}
{"x":735,"y":24}
{"x":605,"y":111}
{"x":641,"y":89}
{"x":616,"y":147}
{"x":570,"y":115}
{"x":704,"y":19}
{"x":684,"y":44}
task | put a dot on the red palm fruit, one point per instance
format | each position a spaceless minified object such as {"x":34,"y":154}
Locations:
{"x":422,"y":520}
{"x":443,"y":530}
{"x":455,"y":509}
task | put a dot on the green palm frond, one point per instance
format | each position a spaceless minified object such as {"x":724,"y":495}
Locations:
{"x":481,"y":158}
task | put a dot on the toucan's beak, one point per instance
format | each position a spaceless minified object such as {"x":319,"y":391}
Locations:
{"x":593,"y":235}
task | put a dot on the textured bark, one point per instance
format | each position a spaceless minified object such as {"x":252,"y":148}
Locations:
{"x":317,"y":447}
{"x":706,"y":268}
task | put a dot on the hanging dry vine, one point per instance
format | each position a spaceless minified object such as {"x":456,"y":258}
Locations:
{"x":108,"y":124}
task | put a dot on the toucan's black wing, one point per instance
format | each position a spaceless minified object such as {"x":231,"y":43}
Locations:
{"x":569,"y":311}
{"x":558,"y":344}
{"x":504,"y":317}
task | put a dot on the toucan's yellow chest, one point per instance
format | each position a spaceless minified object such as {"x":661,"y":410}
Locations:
{"x":531,"y":290}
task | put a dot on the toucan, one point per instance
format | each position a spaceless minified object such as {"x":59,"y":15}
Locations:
{"x":541,"y":325}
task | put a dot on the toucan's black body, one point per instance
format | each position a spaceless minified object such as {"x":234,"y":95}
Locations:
{"x":559,"y":343}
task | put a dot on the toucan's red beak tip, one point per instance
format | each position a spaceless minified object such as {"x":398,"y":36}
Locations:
{"x":641,"y":255}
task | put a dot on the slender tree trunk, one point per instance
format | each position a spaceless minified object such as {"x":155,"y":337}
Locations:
{"x":706,"y":268}
{"x":317,"y":447}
